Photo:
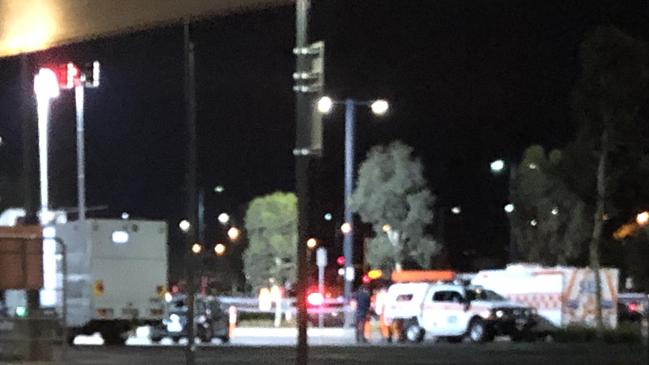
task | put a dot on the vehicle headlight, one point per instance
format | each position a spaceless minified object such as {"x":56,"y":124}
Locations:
{"x":485,"y":313}
{"x":174,"y":318}
{"x":499,"y":313}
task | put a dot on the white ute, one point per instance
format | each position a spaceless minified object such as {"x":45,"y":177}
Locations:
{"x":453,"y":311}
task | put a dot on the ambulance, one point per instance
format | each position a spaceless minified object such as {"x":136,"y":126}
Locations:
{"x":562,"y":295}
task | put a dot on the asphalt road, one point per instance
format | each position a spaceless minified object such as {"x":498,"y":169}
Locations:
{"x":499,"y":353}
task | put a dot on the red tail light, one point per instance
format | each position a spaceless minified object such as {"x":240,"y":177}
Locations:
{"x":632,"y":307}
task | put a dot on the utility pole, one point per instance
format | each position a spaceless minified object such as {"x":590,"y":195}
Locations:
{"x":309,"y":84}
{"x":190,"y":186}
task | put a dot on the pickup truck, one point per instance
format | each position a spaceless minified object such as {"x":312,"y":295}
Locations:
{"x":454,"y":311}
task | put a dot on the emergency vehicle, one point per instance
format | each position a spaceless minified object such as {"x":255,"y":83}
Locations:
{"x":454,"y":311}
{"x":562,"y":295}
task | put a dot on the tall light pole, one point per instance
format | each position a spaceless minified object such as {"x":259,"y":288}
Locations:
{"x":497,"y":167}
{"x":378,"y":107}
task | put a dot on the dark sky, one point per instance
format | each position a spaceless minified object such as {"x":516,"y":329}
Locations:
{"x":469,"y":81}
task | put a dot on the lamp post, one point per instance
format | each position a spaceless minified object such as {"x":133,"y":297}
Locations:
{"x":497,"y":167}
{"x":379,"y":107}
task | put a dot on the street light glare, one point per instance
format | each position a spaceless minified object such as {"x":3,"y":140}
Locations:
{"x":346,"y":228}
{"x":497,"y":165}
{"x":46,"y":85}
{"x":642,"y":218}
{"x":456,"y":210}
{"x":380,"y":107}
{"x":223,"y":218}
{"x":311,"y":243}
{"x":325,"y":104}
{"x":386,"y":228}
{"x":184,"y":225}
{"x":509,"y":208}
{"x":233,"y":233}
{"x":219,"y":249}
{"x":197,"y":248}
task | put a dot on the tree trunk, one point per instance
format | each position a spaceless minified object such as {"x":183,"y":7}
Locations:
{"x":597,"y":230}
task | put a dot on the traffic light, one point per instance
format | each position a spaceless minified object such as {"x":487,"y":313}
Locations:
{"x":69,"y":75}
{"x":340,"y":260}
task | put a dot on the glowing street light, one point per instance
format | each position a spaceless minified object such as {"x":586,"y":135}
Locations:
{"x":386,"y":228}
{"x":184,"y":225}
{"x":219,"y":249}
{"x":311,"y":243}
{"x":509,"y":208}
{"x":379,"y":107}
{"x":234,"y":233}
{"x":197,"y":248}
{"x":325,"y":105}
{"x":346,"y":228}
{"x":219,"y":189}
{"x":497,"y":166}
{"x":456,"y":210}
{"x":223,"y":218}
{"x":642,"y":218}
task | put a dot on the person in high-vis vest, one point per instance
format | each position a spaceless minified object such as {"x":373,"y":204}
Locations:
{"x":385,"y":325}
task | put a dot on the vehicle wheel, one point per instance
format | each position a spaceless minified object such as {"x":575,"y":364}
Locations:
{"x":175,"y":339}
{"x":478,"y":331}
{"x":413,"y":332}
{"x":205,"y":335}
{"x":225,"y":339}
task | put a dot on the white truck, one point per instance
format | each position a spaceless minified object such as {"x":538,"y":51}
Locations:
{"x":454,"y":311}
{"x":561,"y":294}
{"x":116,"y":276}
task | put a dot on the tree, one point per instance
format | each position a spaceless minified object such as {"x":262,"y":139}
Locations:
{"x":271,"y":226}
{"x":550,"y":223}
{"x":608,"y":96}
{"x":392,"y":196}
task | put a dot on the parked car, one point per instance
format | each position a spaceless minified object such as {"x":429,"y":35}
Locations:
{"x":210,"y":320}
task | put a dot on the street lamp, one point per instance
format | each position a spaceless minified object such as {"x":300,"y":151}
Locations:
{"x":234,"y":233}
{"x":197,"y":248}
{"x":46,"y":88}
{"x":219,"y":249}
{"x":642,"y":218}
{"x":378,"y":107}
{"x":497,"y":166}
{"x":184,"y":225}
{"x":223,"y":218}
{"x":311,"y":243}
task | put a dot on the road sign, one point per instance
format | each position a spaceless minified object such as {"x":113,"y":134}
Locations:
{"x":34,"y":25}
{"x":321,"y":257}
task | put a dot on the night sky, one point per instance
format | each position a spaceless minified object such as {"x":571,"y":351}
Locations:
{"x":468,"y":82}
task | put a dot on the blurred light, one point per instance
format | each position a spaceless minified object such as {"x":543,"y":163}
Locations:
{"x":21,"y":311}
{"x":366,"y":279}
{"x":125,"y":215}
{"x":380,"y":107}
{"x":346,"y":228}
{"x":219,"y":189}
{"x":642,"y":218}
{"x":311,"y":243}
{"x":315,"y":299}
{"x":533,"y":223}
{"x":325,"y":104}
{"x":328,"y":217}
{"x":233,"y":233}
{"x":46,"y":84}
{"x":219,"y":249}
{"x":497,"y":165}
{"x":555,"y":211}
{"x":341,"y":271}
{"x":223,"y":218}
{"x":456,"y":210}
{"x":197,"y":248}
{"x":386,"y":228}
{"x":374,"y":274}
{"x":168,"y":297}
{"x":509,"y":208}
{"x":532,"y":166}
{"x":120,"y":237}
{"x":184,"y":225}
{"x":632,"y":307}
{"x":340,"y":260}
